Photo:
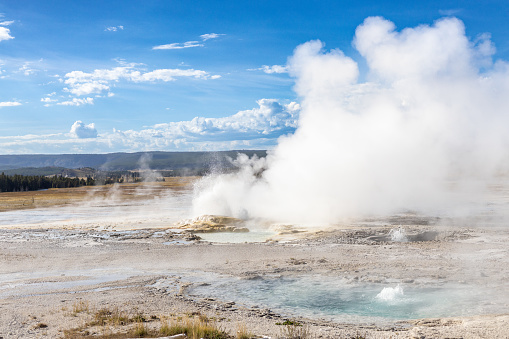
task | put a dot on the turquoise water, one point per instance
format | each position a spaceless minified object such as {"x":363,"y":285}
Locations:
{"x":326,"y":297}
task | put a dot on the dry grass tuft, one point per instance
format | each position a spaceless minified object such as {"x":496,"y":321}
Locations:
{"x":295,"y":331}
{"x":117,"y":324}
{"x":194,"y":328}
{"x":113,"y":317}
{"x":80,"y":307}
{"x":243,"y":332}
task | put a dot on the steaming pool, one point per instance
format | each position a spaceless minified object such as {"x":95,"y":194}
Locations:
{"x":312,"y":296}
{"x":332,"y":299}
{"x":292,"y":295}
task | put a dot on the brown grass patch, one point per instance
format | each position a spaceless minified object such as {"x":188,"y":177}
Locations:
{"x":68,"y":196}
{"x":116,"y":324}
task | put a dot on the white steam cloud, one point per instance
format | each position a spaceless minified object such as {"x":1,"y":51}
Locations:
{"x":434,"y":111}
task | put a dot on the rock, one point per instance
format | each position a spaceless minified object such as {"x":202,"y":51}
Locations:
{"x":212,"y":223}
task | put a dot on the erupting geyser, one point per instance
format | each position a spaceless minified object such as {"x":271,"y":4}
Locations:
{"x":390,"y":293}
{"x":426,"y":130}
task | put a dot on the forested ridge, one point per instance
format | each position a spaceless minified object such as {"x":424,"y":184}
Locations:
{"x":16,"y":183}
{"x":175,"y":161}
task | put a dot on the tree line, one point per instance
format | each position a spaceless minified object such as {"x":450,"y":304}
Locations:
{"x":17,"y":182}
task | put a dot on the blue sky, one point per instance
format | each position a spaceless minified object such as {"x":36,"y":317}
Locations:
{"x":107,"y":76}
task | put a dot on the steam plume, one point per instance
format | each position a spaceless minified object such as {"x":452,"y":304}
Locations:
{"x":433,"y":111}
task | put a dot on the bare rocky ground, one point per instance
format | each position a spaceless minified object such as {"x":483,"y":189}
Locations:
{"x":53,"y":280}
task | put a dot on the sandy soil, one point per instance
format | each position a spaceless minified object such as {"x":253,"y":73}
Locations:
{"x":53,"y":280}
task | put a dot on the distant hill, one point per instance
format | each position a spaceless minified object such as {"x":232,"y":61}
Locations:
{"x":51,"y":170}
{"x":192,"y":162}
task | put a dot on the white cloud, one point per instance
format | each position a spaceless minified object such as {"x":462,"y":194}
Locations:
{"x":82,"y":131}
{"x":208,"y":36}
{"x":257,"y":128}
{"x":26,"y":69}
{"x":77,"y":102}
{"x":6,"y":23}
{"x":5,"y":34}
{"x":189,"y":44}
{"x":82,"y":83}
{"x":274,"y":69}
{"x":176,"y":45}
{"x":269,"y":119}
{"x":9,"y":103}
{"x":114,"y":28}
{"x":168,"y":75}
{"x":48,"y":100}
{"x":87,"y":88}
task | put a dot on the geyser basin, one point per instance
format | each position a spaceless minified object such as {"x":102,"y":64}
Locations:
{"x":400,"y":235}
{"x":233,"y":237}
{"x":161,"y":211}
{"x":340,"y":300}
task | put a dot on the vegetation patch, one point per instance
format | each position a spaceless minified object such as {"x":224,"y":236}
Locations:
{"x":117,"y":324}
{"x":289,"y":323}
{"x":295,"y":332}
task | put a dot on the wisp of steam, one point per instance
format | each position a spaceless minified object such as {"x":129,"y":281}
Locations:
{"x":425,"y":129}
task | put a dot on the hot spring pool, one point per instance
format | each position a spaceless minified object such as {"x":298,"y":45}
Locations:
{"x":338,"y":300}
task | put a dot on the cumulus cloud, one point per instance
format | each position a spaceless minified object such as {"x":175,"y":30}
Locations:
{"x":9,"y":103}
{"x":5,"y":34}
{"x":114,"y":28}
{"x":270,"y":119}
{"x":27,"y":69}
{"x":257,"y":128}
{"x":430,"y":113}
{"x":82,"y":131}
{"x":48,"y":100}
{"x":169,"y":75}
{"x":77,"y":102}
{"x":87,"y":88}
{"x":274,"y":69}
{"x":82,"y":83}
